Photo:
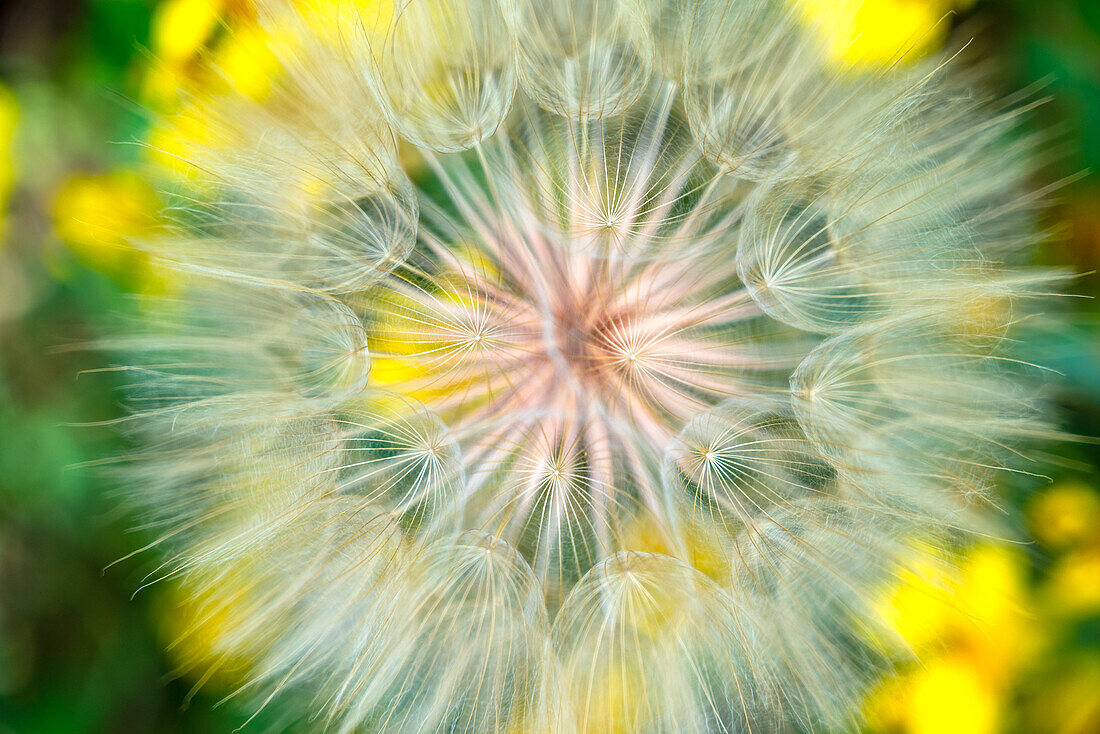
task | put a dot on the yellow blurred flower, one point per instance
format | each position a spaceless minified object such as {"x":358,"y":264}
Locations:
{"x":9,"y":119}
{"x":1066,"y":514}
{"x":1001,"y":633}
{"x":945,"y":695}
{"x":950,"y":696}
{"x":246,"y":61}
{"x":880,"y":32}
{"x":205,"y":48}
{"x":934,"y":602}
{"x":194,"y":624}
{"x":1073,"y":586}
{"x":972,"y":631}
{"x":174,"y":138}
{"x":206,"y":45}
{"x":182,"y":27}
{"x":919,"y":608}
{"x":98,"y":216}
{"x":180,"y":33}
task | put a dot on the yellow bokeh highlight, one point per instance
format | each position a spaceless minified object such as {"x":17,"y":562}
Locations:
{"x":933,"y":602}
{"x":202,"y":625}
{"x":206,"y":49}
{"x":1065,"y":515}
{"x":1002,"y":633}
{"x":972,"y":631}
{"x":99,"y":215}
{"x":9,"y":120}
{"x":247,"y":62}
{"x":173,"y":141}
{"x":181,"y":28}
{"x":919,"y":608}
{"x":182,"y":32}
{"x":1073,"y":587}
{"x":860,"y":33}
{"x":949,"y":696}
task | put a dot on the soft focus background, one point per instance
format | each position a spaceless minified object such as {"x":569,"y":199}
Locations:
{"x":1011,"y":643}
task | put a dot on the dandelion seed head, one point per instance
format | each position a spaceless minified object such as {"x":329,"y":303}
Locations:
{"x":610,"y":407}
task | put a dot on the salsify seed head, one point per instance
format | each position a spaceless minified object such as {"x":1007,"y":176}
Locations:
{"x":580,"y":366}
